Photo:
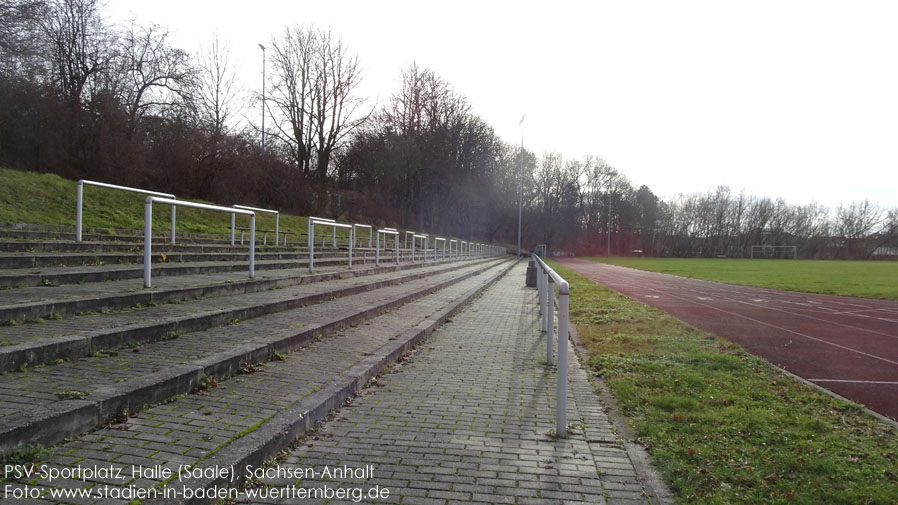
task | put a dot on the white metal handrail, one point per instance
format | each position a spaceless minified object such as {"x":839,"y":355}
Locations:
{"x":424,"y":243}
{"x":545,"y":277}
{"x":330,"y":222}
{"x":451,"y":242}
{"x":324,"y":219}
{"x":148,"y":231}
{"x":435,"y":241}
{"x":79,"y":199}
{"x":385,"y":232}
{"x":370,"y":231}
{"x":277,"y":222}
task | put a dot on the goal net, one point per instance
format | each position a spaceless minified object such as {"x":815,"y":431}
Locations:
{"x":780,"y":252}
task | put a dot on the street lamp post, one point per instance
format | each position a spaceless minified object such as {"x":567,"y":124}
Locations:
{"x":521,"y":184}
{"x":263,"y":96}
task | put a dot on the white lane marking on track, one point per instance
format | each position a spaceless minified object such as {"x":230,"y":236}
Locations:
{"x":853,"y":381}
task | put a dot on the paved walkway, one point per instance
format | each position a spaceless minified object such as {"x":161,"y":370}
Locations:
{"x":468,"y":419}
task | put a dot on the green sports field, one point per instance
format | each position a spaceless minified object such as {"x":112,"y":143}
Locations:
{"x":865,"y":279}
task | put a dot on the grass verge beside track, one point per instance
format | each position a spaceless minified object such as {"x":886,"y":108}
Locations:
{"x":724,"y":426}
{"x":864,"y":279}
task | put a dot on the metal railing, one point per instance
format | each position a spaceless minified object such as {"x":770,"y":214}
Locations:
{"x":79,"y":199}
{"x":545,"y":277}
{"x":370,"y":232}
{"x":148,"y":231}
{"x":435,"y":242}
{"x":314,"y":221}
{"x":385,"y":232}
{"x":277,"y":222}
{"x":423,"y":238}
{"x":324,"y":219}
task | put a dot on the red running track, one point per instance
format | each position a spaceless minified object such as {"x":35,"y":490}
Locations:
{"x":847,"y":345}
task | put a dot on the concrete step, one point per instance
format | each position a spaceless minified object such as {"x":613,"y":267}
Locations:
{"x":61,"y":246}
{"x":78,"y":336}
{"x":128,"y":236}
{"x":30,"y":303}
{"x":102,"y":272}
{"x":47,"y":404}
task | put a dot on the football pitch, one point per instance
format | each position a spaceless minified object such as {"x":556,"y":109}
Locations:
{"x":865,"y":279}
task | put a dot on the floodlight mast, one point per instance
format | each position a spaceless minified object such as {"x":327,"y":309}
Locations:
{"x":521,"y":184}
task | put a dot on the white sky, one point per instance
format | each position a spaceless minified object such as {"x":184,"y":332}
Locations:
{"x":791,"y":99}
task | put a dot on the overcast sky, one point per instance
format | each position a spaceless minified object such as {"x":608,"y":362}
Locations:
{"x":791,"y":99}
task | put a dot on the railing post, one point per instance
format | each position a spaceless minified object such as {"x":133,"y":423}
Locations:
{"x":147,"y":240}
{"x":252,"y":246}
{"x":233,"y":227}
{"x":79,"y":198}
{"x":351,"y":240}
{"x":311,"y":237}
{"x":173,"y":224}
{"x":549,"y":318}
{"x":561,"y":393}
{"x":277,"y":229}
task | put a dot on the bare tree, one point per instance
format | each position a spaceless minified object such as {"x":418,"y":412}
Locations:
{"x":19,"y":33}
{"x":79,"y":46}
{"x":217,"y":88}
{"x":854,"y":223}
{"x":150,"y":74}
{"x":314,"y":96}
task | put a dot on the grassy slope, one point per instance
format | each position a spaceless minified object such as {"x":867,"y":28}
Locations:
{"x":866,"y":279}
{"x":724,"y":426}
{"x":28,"y":197}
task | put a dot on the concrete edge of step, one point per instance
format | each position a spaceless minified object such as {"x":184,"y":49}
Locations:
{"x":81,"y":344}
{"x":135,"y":271}
{"x":281,"y":430}
{"x":67,"y":418}
{"x":62,"y":307}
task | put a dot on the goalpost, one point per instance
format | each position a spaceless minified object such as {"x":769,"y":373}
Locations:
{"x":780,"y":252}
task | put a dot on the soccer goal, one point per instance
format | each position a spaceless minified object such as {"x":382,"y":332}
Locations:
{"x":778,"y":252}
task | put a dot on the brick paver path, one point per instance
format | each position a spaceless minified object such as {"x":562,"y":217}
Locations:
{"x":469,"y":419}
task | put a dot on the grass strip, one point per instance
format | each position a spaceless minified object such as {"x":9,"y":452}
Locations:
{"x":864,"y":279}
{"x":724,"y":426}
{"x":48,"y":199}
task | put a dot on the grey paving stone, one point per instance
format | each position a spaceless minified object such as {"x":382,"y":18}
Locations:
{"x":479,"y":391}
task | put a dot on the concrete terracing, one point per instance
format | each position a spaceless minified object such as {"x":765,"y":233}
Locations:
{"x":216,"y":371}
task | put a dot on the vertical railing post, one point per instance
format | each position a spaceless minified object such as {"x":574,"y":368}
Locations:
{"x":173,"y":224}
{"x":233,"y":227}
{"x":311,"y":237}
{"x":351,"y":240}
{"x":252,"y":246}
{"x":79,"y":198}
{"x":561,"y":393}
{"x":549,"y":318}
{"x":413,"y":249}
{"x":277,"y":229}
{"x":147,"y":240}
